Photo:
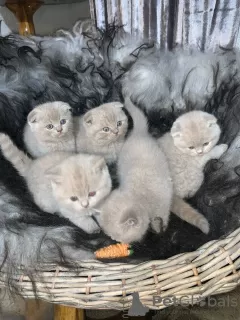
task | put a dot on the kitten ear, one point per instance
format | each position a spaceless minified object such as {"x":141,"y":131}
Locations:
{"x":211,"y":120}
{"x":66,"y":107}
{"x":87,"y":118}
{"x":99,"y":163}
{"x":129,"y":219}
{"x":32,"y":117}
{"x":54,"y":175}
{"x":118,"y":104}
{"x":176,"y":130}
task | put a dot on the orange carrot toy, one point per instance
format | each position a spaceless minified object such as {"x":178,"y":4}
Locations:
{"x":118,"y":250}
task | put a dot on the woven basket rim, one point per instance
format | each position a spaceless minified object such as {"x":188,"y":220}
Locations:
{"x":211,"y":269}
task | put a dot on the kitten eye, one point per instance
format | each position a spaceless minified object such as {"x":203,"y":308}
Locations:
{"x":63,"y":121}
{"x":206,"y":144}
{"x":49,"y":126}
{"x":105,"y":129}
{"x":92,"y":194}
{"x":74,"y":198}
{"x":192,"y":147}
{"x":119,"y":123}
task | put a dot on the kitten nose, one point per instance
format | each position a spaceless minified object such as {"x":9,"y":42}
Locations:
{"x":199,"y":151}
{"x":85,"y":203}
{"x":115,"y":131}
{"x":59,"y":129}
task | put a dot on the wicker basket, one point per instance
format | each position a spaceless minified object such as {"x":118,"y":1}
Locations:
{"x":212,"y":269}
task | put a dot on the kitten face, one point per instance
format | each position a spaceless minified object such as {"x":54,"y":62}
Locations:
{"x":80,"y":182}
{"x":107,"y":123}
{"x":51,"y":120}
{"x":195,"y":133}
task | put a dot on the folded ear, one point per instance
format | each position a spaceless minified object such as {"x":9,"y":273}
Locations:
{"x":88,"y":118}
{"x":176,"y":129}
{"x":118,"y":104}
{"x":210,"y":119}
{"x":99,"y":163}
{"x":32,"y":117}
{"x":54,"y":175}
{"x":65,"y":107}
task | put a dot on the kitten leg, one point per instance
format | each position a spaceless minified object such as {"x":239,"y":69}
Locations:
{"x":156,"y":224}
{"x":187,"y":213}
{"x":89,"y":225}
{"x":159,"y":224}
{"x":85,"y":222}
{"x":215,"y":153}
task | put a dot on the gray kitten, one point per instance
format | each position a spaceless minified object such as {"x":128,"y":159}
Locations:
{"x":49,"y":128}
{"x":166,"y":79}
{"x":188,"y":147}
{"x":102,"y":131}
{"x":63,"y":182}
{"x":145,"y":191}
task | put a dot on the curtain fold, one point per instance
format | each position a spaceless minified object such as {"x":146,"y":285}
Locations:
{"x":202,"y":23}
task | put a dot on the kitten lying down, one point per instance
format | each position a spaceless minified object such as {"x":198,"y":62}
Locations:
{"x":145,"y":195}
{"x":49,"y":128}
{"x":62,"y":182}
{"x":102,"y":130}
{"x":188,"y":147}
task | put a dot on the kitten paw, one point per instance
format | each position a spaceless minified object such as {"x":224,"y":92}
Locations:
{"x":156,"y":225}
{"x":203,"y":225}
{"x":220,"y":150}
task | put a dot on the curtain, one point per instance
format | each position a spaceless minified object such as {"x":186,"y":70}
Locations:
{"x":201,"y":23}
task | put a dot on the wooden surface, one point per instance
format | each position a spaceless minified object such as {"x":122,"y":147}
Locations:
{"x":24,"y":11}
{"x":68,"y":313}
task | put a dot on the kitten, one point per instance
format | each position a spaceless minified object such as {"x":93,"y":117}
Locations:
{"x":102,"y":131}
{"x":188,"y":147}
{"x":63,"y":182}
{"x":166,"y":80}
{"x":145,"y":192}
{"x":49,"y":128}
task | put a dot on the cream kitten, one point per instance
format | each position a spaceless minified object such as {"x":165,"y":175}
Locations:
{"x":102,"y":131}
{"x":188,"y":147}
{"x":63,"y":182}
{"x":49,"y":128}
{"x":145,"y":191}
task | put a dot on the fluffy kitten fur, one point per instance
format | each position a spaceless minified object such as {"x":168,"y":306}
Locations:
{"x":62,"y":182}
{"x":188,"y":147}
{"x":102,"y":131}
{"x":168,"y":79}
{"x":145,"y":191}
{"x":49,"y":128}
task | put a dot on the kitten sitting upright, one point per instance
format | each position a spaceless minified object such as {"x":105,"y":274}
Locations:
{"x":49,"y":128}
{"x":102,"y":131}
{"x":62,"y":182}
{"x":188,"y":147}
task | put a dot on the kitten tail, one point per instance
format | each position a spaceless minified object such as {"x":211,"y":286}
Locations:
{"x":140,"y":121}
{"x":18,"y":158}
{"x":187,"y":213}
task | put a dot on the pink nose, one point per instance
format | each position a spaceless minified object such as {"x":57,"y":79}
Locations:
{"x":85,"y":204}
{"x":59,"y":130}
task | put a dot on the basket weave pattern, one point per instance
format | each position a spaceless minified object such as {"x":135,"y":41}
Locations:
{"x":212,"y":269}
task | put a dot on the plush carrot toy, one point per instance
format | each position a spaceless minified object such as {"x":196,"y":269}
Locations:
{"x":118,"y":250}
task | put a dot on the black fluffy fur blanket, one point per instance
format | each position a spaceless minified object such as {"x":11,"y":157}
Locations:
{"x":87,"y":67}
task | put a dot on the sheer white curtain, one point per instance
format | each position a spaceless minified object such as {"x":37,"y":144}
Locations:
{"x":202,"y":23}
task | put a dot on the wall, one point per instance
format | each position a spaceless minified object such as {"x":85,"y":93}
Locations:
{"x":48,"y":18}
